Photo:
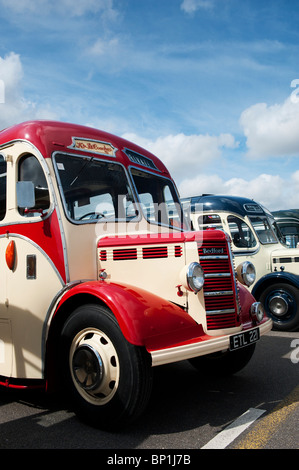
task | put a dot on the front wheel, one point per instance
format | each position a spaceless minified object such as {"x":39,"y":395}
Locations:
{"x":224,"y":362}
{"x":281,"y":303}
{"x":109,"y":379}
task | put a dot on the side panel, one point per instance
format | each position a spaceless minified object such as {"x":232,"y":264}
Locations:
{"x":26,"y":294}
{"x":143,"y":266}
{"x":37,"y":270}
{"x":5,"y":347}
{"x":286,"y":259}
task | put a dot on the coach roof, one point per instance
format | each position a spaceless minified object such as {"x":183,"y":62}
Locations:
{"x":233,"y":204}
{"x":51,"y":136}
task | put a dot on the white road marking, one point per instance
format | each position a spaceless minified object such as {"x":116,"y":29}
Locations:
{"x":229,"y":434}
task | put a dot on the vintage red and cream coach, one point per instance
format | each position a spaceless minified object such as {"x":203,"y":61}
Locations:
{"x":100,"y":277}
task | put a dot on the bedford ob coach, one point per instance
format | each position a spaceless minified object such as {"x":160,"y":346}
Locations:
{"x":255,"y":237}
{"x":101,"y":281}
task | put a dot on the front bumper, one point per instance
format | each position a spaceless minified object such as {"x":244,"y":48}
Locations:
{"x":199,"y":347}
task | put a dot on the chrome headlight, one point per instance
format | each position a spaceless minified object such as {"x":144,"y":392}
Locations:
{"x":257,"y":311}
{"x":246,"y":273}
{"x":195,"y":277}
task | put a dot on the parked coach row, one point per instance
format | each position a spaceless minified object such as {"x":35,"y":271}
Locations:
{"x":259,"y":237}
{"x":101,"y":278}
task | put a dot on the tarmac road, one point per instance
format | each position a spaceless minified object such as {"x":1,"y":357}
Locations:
{"x":187,"y":411}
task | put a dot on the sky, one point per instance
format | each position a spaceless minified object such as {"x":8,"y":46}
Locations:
{"x":211,"y":87}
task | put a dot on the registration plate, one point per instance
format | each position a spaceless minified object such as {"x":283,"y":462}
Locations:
{"x":244,"y":339}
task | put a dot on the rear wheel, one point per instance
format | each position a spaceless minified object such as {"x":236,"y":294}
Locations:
{"x":108,"y":378}
{"x":224,"y":362}
{"x":281,"y":302}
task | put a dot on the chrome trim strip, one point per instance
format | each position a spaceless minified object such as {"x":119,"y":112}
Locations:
{"x":59,"y":218}
{"x":234,"y":278}
{"x":220,"y":312}
{"x":217,"y":275}
{"x":218,"y":293}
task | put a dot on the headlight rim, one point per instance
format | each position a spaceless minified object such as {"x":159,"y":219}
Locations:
{"x":190,"y":276}
{"x":243,"y":275}
{"x":257,"y":311}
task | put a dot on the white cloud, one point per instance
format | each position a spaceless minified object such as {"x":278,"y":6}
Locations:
{"x":11,"y":73}
{"x":190,"y":6}
{"x":183,"y":154}
{"x":13,"y":104}
{"x":272,"y":191}
{"x":272,"y":130}
{"x":14,"y":107}
{"x":105,"y":47}
{"x":295,"y":178}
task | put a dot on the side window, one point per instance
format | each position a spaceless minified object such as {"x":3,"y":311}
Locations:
{"x":209,"y":221}
{"x":241,"y":233}
{"x":29,"y":169}
{"x":2,"y":187}
{"x":263,"y":230}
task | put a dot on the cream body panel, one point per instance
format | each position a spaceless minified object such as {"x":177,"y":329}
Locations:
{"x":157,"y":275}
{"x":81,"y":251}
{"x":6,"y":348}
{"x":161,"y":276}
{"x":261,"y":261}
{"x":26,"y":302}
{"x":287,"y":259}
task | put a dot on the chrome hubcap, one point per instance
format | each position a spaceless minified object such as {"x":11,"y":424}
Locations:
{"x":88,"y":367}
{"x":94,"y":366}
{"x":278,"y":305}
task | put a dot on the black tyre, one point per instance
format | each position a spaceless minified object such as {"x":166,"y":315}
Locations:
{"x":281,"y":303}
{"x":109,"y":379}
{"x":224,"y":362}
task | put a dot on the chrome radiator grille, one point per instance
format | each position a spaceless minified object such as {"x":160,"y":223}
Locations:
{"x":219,"y":287}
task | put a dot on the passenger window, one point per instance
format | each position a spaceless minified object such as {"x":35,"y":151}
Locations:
{"x":29,"y":169}
{"x":2,"y":187}
{"x":241,"y":234}
{"x":209,"y":221}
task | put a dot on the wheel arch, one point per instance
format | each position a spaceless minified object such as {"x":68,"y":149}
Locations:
{"x":268,"y":279}
{"x":145,"y":319}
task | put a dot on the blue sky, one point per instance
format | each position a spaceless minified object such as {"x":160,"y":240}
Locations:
{"x":209,"y":86}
